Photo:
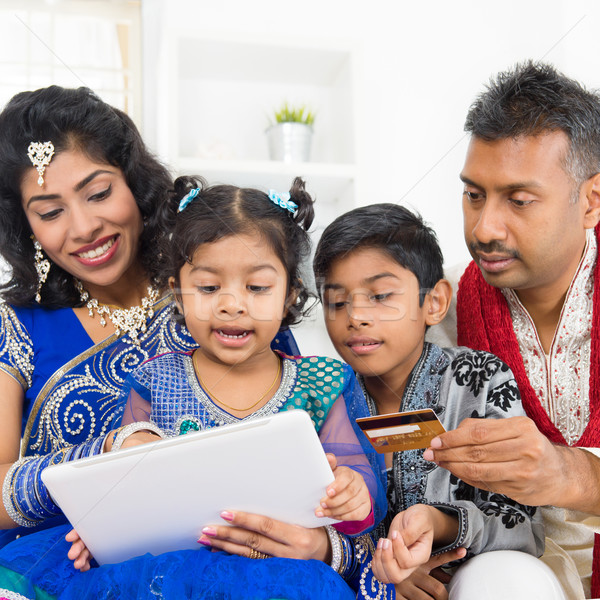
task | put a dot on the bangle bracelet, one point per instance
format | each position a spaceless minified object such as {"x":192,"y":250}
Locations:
{"x":126,"y":431}
{"x":113,"y":436}
{"x":110,"y":434}
{"x":345,"y":554}
{"x":336,"y":548}
{"x":7,"y":496}
{"x":97,"y":446}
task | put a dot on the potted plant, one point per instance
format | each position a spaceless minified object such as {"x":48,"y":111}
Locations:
{"x":290,"y":134}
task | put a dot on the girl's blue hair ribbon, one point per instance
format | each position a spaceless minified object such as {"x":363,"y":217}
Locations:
{"x":188,"y":198}
{"x":282,"y":200}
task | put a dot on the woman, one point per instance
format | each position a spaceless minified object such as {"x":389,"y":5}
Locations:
{"x":87,"y":210}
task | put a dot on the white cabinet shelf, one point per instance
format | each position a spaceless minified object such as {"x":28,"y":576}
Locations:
{"x":213,"y":112}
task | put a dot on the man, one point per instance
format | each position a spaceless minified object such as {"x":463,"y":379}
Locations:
{"x":531,"y":295}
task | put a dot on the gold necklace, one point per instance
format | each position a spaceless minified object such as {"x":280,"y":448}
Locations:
{"x":215,"y":399}
{"x":128,"y":320}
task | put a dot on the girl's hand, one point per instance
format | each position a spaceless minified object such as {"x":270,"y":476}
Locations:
{"x":411,"y":534}
{"x":249,"y":532}
{"x":78,"y":553}
{"x":348,"y":497}
{"x":428,"y":580}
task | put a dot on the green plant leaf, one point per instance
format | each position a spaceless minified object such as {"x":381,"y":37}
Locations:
{"x":298,"y":114}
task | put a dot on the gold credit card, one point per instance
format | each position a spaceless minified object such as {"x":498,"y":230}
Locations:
{"x":401,"y":431}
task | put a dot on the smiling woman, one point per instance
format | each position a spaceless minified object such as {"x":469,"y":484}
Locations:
{"x":88,"y":223}
{"x":84,"y":209}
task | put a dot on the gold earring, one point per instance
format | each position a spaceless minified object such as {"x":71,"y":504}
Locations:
{"x":42,"y":266}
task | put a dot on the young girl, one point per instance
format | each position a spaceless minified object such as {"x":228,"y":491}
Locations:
{"x":234,"y":258}
{"x":379,"y":269}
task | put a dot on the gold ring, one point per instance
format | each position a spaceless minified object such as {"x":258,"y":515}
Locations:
{"x":256,"y":554}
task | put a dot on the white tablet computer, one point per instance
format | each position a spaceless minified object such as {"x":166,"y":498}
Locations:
{"x":157,"y":497}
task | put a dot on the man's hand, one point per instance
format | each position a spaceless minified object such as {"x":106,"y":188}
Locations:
{"x":511,"y":457}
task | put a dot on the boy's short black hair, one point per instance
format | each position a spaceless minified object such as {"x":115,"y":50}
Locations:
{"x":390,"y":228}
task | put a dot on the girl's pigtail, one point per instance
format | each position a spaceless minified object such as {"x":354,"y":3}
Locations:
{"x":181,"y":187}
{"x":305,"y":214}
{"x":184,"y":185}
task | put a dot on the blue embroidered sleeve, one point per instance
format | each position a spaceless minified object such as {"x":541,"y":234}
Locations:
{"x":16,"y":347}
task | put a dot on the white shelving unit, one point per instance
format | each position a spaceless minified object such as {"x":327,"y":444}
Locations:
{"x":213,"y":112}
{"x":213,"y":108}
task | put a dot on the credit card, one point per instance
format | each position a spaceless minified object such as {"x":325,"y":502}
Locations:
{"x":401,"y":431}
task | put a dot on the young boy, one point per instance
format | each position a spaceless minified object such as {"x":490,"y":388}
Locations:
{"x":380,"y":276}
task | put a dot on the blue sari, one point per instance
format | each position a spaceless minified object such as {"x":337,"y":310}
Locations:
{"x":188,"y":574}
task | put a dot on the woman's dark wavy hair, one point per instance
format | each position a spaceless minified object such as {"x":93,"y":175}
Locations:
{"x":73,"y":119}
{"x":393,"y":229}
{"x":222,"y":210}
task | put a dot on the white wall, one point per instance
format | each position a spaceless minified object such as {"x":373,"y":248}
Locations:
{"x":422,"y":65}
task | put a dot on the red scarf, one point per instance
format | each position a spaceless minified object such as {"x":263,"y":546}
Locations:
{"x":484,"y":323}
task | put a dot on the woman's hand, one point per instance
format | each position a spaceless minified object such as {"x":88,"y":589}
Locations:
{"x":78,"y":552}
{"x":348,"y":497}
{"x":140,"y":437}
{"x":411,"y":534}
{"x":248,"y":532}
{"x":427,"y":582}
{"x":135,"y":439}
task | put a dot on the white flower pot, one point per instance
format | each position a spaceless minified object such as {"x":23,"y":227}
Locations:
{"x":289,"y":142}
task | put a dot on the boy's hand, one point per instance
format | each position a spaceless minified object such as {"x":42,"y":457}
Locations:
{"x":428,"y":580}
{"x":78,"y":553}
{"x":348,"y":497}
{"x":411,"y":534}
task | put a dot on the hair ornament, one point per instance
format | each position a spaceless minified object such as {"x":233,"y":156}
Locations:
{"x":40,"y":154}
{"x":282,"y":200}
{"x":188,"y":198}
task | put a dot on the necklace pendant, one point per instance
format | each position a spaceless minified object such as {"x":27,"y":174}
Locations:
{"x":128,"y":321}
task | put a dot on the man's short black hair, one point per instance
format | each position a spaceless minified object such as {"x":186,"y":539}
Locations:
{"x":533,"y":99}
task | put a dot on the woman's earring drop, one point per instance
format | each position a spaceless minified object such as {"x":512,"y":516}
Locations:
{"x":42,"y":266}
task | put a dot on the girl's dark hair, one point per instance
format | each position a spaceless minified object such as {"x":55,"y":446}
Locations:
{"x":390,"y":228}
{"x":222,"y":210}
{"x":73,"y":119}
